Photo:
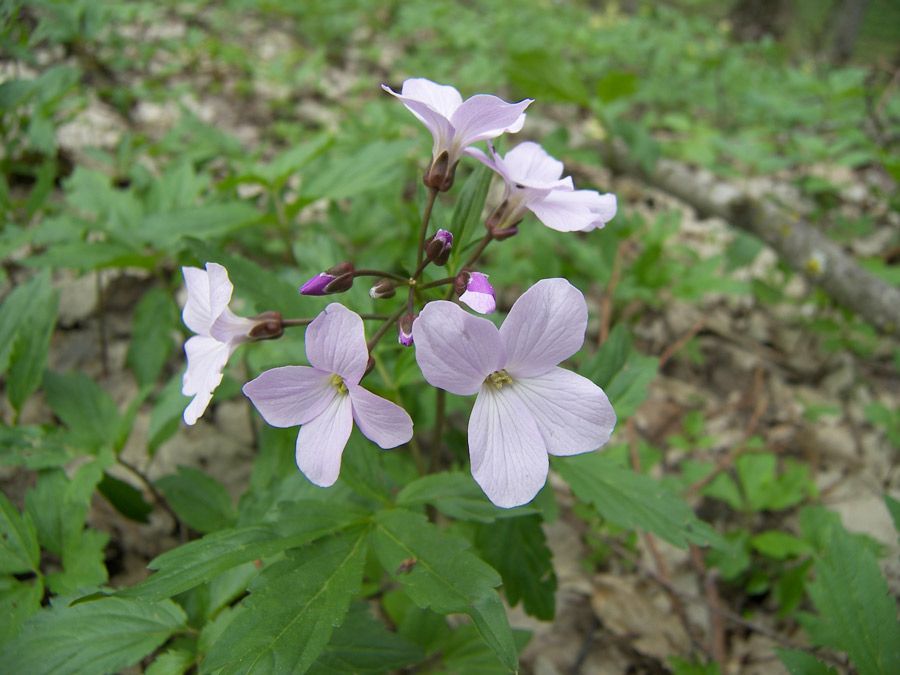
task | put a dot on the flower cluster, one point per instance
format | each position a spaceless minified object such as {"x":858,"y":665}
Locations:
{"x":527,"y":406}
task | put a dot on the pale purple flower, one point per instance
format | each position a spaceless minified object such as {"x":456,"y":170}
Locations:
{"x":476,"y":291}
{"x":325,"y":399}
{"x":527,"y":407}
{"x":219,"y":333}
{"x":534,"y":183}
{"x":456,"y":124}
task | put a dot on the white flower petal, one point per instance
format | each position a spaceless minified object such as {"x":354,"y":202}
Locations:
{"x":454,"y":349}
{"x":384,"y":423}
{"x":196,"y":314}
{"x":484,"y":116}
{"x":291,"y":395}
{"x":206,"y":358}
{"x":572,"y":413}
{"x":509,"y":460}
{"x":336,"y":342}
{"x":529,"y":164}
{"x":567,"y":211}
{"x":443,"y":98}
{"x":321,"y":442}
{"x":220,"y":289}
{"x":229,"y":327}
{"x":544,"y":327}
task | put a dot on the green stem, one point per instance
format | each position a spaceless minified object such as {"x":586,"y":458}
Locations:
{"x":432,"y":194}
{"x":377,"y":273}
{"x":479,"y":250}
{"x":284,"y":227}
{"x":381,"y":330}
{"x":439,"y":282}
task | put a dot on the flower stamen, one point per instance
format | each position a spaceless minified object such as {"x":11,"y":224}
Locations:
{"x":338,"y":382}
{"x":498,"y":378}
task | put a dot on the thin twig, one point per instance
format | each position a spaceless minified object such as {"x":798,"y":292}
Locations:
{"x":650,"y":542}
{"x":606,"y":304}
{"x":729,"y":459}
{"x":284,"y":227}
{"x":432,"y":194}
{"x":716,"y":627}
{"x":676,"y":346}
{"x":381,"y":330}
{"x":157,"y":495}
{"x":479,"y":249}
{"x":737,"y":619}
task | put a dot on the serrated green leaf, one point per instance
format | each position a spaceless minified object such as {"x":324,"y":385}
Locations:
{"x":86,"y":256}
{"x":19,"y":549}
{"x":35,"y":448}
{"x":802,"y":663}
{"x":610,"y":358}
{"x":151,"y":335}
{"x":204,"y":559}
{"x":779,"y":545}
{"x":455,"y":495}
{"x":857,"y":614}
{"x":292,"y":609}
{"x":97,"y":637}
{"x":200,"y":500}
{"x":28,"y":355}
{"x":363,"y":646}
{"x":517,"y":548}
{"x":56,"y":516}
{"x":84,"y":565}
{"x":465,"y":652}
{"x":630,"y":386}
{"x":445,"y":576}
{"x":369,"y":168}
{"x":163,"y":230}
{"x":84,"y":407}
{"x":125,"y":498}
{"x":172,"y":662}
{"x":18,"y":601}
{"x":632,"y":500}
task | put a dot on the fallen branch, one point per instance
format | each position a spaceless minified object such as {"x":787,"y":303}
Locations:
{"x":800,"y":245}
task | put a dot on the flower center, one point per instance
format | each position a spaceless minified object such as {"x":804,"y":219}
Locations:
{"x":338,"y":382}
{"x":498,"y":378}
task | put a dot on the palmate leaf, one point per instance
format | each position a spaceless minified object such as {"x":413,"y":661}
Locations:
{"x":201,"y":560}
{"x":437,"y":570}
{"x":292,"y":609}
{"x":856,"y":612}
{"x":632,"y":500}
{"x":517,"y":548}
{"x":96,"y":637}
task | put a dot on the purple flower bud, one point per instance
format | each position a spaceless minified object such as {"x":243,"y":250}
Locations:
{"x":334,"y":280}
{"x":404,"y":329}
{"x":268,"y":325}
{"x":437,"y":248}
{"x":440,"y":174}
{"x":383,"y":289}
{"x":475,"y":290}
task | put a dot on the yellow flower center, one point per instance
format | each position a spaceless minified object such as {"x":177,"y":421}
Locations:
{"x":338,"y":382}
{"x":498,"y":378}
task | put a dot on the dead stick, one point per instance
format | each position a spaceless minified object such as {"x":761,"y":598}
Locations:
{"x":730,"y":458}
{"x":716,"y":628}
{"x":650,"y":542}
{"x":674,"y":348}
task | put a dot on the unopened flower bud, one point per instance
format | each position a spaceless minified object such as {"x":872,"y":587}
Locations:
{"x":267,"y":326}
{"x":440,"y":174}
{"x":383,"y":289}
{"x":503,"y":220}
{"x":404,"y":329}
{"x":334,"y":280}
{"x":438,"y":247}
{"x":475,"y":291}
